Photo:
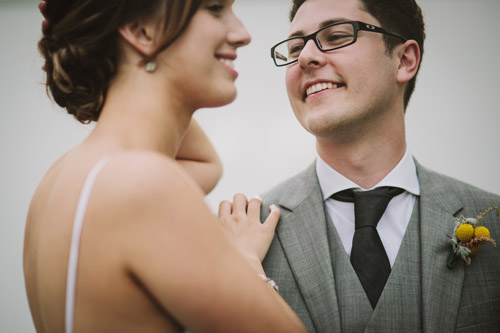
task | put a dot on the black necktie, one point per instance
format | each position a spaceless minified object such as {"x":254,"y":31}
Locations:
{"x":368,"y":256}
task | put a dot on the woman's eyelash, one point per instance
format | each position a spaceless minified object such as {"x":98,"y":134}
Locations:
{"x":215,"y":8}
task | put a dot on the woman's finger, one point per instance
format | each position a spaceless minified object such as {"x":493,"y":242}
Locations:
{"x":239,"y":204}
{"x":253,"y":209}
{"x":273,"y":217}
{"x":225,"y":208}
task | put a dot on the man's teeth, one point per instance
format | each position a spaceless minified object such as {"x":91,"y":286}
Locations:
{"x":228,"y":62}
{"x":320,"y":86}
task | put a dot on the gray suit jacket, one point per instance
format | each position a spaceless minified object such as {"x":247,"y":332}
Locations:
{"x":462,"y":298}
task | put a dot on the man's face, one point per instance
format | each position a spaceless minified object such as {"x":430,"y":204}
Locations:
{"x":360,"y":79}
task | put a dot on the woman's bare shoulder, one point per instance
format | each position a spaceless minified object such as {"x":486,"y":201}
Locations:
{"x":145,"y":196}
{"x":147,"y":192}
{"x":143,"y":176}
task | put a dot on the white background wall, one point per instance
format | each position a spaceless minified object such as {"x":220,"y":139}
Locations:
{"x":453,"y":119}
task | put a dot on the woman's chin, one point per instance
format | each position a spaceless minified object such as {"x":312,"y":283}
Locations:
{"x":223,"y":99}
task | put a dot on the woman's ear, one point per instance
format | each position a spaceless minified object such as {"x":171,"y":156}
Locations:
{"x":409,"y":60}
{"x":141,"y":36}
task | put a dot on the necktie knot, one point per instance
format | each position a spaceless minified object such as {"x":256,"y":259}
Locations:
{"x":369,"y":206}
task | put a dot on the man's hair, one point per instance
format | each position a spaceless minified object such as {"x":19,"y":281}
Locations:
{"x":403,"y":17}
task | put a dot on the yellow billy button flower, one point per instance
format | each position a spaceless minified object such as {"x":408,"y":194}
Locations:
{"x":465,"y":232}
{"x":481,"y":232}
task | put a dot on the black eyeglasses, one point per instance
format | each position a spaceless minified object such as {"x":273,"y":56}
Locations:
{"x":329,"y":38}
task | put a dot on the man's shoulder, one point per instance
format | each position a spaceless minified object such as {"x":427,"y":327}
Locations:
{"x":302,"y":182}
{"x":441,"y":184}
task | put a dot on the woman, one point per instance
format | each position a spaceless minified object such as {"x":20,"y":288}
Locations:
{"x":126,"y":205}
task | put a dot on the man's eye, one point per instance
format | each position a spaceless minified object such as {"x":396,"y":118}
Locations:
{"x":294,"y":50}
{"x":338,"y":37}
{"x":295,"y":46}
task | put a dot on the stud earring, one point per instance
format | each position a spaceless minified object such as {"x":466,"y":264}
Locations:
{"x":150,"y":66}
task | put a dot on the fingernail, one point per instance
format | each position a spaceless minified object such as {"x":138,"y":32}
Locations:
{"x":257,"y":197}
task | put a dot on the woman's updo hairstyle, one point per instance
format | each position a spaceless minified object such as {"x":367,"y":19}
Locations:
{"x":80,"y":46}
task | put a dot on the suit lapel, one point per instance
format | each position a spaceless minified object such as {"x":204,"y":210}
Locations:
{"x":441,"y":286}
{"x":303,"y":236}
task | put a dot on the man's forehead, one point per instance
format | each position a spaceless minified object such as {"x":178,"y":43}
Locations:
{"x":320,"y":25}
{"x":315,"y":14}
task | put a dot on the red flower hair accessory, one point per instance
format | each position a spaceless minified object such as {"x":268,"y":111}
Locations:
{"x":45,"y":23}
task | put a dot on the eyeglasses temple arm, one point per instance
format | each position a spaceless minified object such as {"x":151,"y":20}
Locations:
{"x":369,"y":27}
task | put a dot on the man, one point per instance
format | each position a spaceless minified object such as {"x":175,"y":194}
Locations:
{"x":350,"y":71}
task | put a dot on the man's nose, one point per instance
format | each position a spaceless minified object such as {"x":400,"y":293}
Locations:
{"x":311,"y":55}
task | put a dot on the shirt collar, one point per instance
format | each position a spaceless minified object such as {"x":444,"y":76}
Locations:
{"x":404,"y":175}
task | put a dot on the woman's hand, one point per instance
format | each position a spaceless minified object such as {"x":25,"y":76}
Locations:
{"x":197,"y":156}
{"x":241,"y":219}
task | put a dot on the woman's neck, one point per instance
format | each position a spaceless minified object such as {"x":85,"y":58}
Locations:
{"x":140,"y":114}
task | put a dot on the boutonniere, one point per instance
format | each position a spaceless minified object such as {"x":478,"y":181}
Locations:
{"x":468,"y":236}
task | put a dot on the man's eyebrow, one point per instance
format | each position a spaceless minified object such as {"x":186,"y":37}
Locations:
{"x":300,"y":33}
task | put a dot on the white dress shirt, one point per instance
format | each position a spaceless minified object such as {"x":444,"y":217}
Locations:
{"x":392,"y":225}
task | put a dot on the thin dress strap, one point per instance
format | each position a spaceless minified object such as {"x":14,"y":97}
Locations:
{"x":75,"y":242}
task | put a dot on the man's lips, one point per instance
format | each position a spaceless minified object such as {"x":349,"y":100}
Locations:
{"x":316,"y":87}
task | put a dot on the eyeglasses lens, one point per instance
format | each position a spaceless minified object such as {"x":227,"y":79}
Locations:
{"x":329,"y":38}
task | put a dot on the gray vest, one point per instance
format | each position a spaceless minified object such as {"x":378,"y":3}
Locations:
{"x":399,"y":308}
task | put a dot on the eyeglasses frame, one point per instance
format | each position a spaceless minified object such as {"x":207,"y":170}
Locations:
{"x":357,"y":25}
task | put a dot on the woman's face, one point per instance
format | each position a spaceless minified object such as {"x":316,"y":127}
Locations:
{"x":199,"y":63}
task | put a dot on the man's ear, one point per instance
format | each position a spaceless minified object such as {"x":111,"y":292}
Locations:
{"x":409,"y":60}
{"x":140,"y":36}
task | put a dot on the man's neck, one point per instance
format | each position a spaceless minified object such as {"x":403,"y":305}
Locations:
{"x":364,"y":162}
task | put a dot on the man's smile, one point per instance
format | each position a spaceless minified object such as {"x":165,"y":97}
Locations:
{"x":320,"y":86}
